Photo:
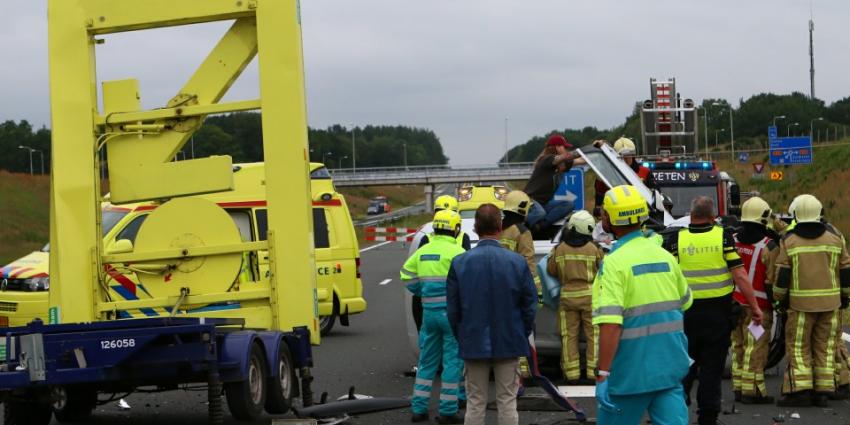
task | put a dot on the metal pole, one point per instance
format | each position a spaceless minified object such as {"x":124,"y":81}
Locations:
{"x":404,"y":146}
{"x":732,"y":131}
{"x":41,"y":158}
{"x":353,"y":152}
{"x":705,"y":130}
{"x":506,"y":139}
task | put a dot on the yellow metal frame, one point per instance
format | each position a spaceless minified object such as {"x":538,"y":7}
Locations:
{"x":140,"y":145}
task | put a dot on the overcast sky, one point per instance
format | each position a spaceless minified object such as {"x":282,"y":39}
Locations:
{"x":460,"y":67}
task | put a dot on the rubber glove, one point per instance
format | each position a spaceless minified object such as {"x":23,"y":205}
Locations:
{"x":602,"y":397}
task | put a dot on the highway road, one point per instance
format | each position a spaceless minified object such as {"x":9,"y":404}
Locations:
{"x":372,"y":354}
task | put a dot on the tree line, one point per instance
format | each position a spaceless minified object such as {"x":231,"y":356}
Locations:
{"x":750,"y":118}
{"x":240,"y":136}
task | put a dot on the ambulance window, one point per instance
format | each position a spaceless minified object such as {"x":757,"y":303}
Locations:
{"x":321,"y":238}
{"x":110,"y":219}
{"x":320,"y":173}
{"x":131,"y":230}
{"x":262,"y":224}
{"x":243,"y":222}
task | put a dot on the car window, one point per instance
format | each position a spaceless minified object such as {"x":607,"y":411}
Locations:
{"x":110,"y":219}
{"x":131,"y":230}
{"x":321,"y":234}
{"x":467,"y":214}
{"x":242,"y":218}
{"x":320,"y":173}
{"x":683,"y":195}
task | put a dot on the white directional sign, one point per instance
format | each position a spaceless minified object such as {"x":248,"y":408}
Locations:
{"x":572,"y":188}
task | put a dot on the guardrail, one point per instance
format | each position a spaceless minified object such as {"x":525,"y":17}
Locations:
{"x":384,"y":234}
{"x":430,"y":175}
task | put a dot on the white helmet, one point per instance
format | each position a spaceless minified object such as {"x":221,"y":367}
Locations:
{"x":807,"y":209}
{"x":582,"y":222}
{"x":755,"y":210}
{"x":625,"y":146}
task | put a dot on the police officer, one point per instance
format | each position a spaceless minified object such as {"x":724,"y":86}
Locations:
{"x":574,"y":262}
{"x":758,"y":247}
{"x":638,"y":299}
{"x":425,"y":275}
{"x":710,"y":262}
{"x":516,"y":236}
{"x":813,"y":282}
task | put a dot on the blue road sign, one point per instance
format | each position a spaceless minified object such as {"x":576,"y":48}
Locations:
{"x":791,"y":151}
{"x":771,"y":132}
{"x":744,"y":157}
{"x":572,"y":188}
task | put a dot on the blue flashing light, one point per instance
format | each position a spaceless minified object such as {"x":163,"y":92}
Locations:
{"x":648,"y":165}
{"x":678,"y":165}
{"x":706,"y":165}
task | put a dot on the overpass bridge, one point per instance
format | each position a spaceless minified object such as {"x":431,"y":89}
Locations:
{"x":431,"y":175}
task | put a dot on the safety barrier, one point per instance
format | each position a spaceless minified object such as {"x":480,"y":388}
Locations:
{"x":382,"y":234}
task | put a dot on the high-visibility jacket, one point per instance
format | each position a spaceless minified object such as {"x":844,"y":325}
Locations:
{"x":462,"y":240}
{"x":755,"y":257}
{"x":425,"y":271}
{"x":641,"y":287}
{"x":704,"y":263}
{"x":813,"y":272}
{"x":517,"y":238}
{"x":575,"y":267}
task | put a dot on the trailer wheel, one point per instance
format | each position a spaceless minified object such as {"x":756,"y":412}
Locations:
{"x":326,"y":323}
{"x":27,"y":413}
{"x":74,"y":404}
{"x":282,"y":387}
{"x":247,"y":398}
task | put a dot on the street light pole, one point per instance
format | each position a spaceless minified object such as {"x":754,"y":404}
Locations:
{"x":812,"y":127}
{"x":506,"y":140}
{"x":404,"y":146}
{"x":732,"y":132}
{"x":340,"y":162}
{"x":705,"y":127}
{"x":777,"y":117}
{"x":788,"y":128}
{"x":353,"y":152}
{"x":324,"y":157}
{"x":715,"y":136}
{"x":30,"y":151}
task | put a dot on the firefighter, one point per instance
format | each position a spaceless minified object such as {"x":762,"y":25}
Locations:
{"x":758,"y":247}
{"x":842,"y":362}
{"x":812,"y":284}
{"x":710,"y":262}
{"x":425,"y":276}
{"x":516,"y":236}
{"x":575,"y":262}
{"x":625,"y":147}
{"x":638,"y":298}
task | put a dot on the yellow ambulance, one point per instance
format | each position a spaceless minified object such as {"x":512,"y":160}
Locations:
{"x":24,"y":282}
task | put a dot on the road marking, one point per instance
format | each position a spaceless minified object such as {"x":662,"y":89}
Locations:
{"x":385,"y":281}
{"x":578,"y":391}
{"x":376,"y":246}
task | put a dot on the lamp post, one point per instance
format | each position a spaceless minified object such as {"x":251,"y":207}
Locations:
{"x":324,"y":157}
{"x":506,"y":140}
{"x":776,"y":118}
{"x":705,"y":128}
{"x":715,"y":136}
{"x":812,"y":127}
{"x":404,"y":146}
{"x":339,"y":163}
{"x":353,"y":152}
{"x":40,"y":155}
{"x":788,"y":128}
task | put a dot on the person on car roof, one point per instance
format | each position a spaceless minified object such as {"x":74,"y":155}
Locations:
{"x":553,"y":161}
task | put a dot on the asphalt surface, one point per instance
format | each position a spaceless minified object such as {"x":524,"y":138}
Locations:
{"x":373,"y":353}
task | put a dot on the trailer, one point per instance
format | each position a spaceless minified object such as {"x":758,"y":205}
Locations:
{"x":210,"y":325}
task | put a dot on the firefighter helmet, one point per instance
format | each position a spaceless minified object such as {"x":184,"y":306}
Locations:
{"x":445,"y":202}
{"x":807,"y":209}
{"x":625,"y":206}
{"x":625,"y":146}
{"x":793,"y":205}
{"x":446,"y":220}
{"x":517,"y":201}
{"x":582,"y":222}
{"x":756,"y":210}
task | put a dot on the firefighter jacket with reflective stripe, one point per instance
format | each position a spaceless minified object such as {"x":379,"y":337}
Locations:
{"x":517,"y":238}
{"x":575,"y":267}
{"x":758,"y":259}
{"x":704,"y":262}
{"x":641,"y":287}
{"x":425,"y":271}
{"x":812,"y":272}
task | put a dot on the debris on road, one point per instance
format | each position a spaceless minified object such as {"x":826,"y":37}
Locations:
{"x":795,"y":415}
{"x":123,"y":405}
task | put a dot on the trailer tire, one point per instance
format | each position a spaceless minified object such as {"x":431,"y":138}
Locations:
{"x":23,"y":413}
{"x":73,"y":406}
{"x":326,"y":323}
{"x":246,"y":399}
{"x":282,"y":387}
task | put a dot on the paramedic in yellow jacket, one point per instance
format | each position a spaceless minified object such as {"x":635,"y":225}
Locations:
{"x":812,"y":283}
{"x":575,"y":262}
{"x":515,"y":235}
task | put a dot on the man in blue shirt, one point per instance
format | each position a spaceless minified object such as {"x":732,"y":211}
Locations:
{"x":491,"y":303}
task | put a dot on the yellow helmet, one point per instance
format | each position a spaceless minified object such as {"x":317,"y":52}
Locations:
{"x":446,"y":220}
{"x":517,"y":201}
{"x":756,"y":210}
{"x":582,"y":222}
{"x":445,"y":202}
{"x":625,"y":146}
{"x":807,"y":209}
{"x":625,"y":206}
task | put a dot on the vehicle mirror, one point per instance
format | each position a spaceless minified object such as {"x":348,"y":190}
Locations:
{"x":735,"y":194}
{"x":121,"y":246}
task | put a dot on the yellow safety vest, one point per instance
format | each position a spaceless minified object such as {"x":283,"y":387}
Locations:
{"x":704,"y":264}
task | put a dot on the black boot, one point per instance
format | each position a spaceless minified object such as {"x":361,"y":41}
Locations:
{"x":841,"y":393}
{"x":756,"y":399}
{"x":453,"y":419}
{"x":419,"y":417}
{"x":798,"y":399}
{"x":737,"y":395}
{"x":707,"y":418}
